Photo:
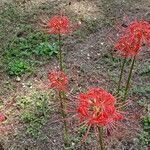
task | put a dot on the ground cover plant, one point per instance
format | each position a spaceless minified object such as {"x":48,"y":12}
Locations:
{"x":74,"y":78}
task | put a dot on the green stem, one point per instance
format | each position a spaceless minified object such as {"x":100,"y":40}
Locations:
{"x":44,"y":107}
{"x":63,"y":113}
{"x":121,"y":74}
{"x":129,"y":78}
{"x":60,"y":54}
{"x":62,"y":95}
{"x":100,"y":129}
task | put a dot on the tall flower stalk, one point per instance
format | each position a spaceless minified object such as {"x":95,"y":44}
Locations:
{"x":129,"y":45}
{"x":121,"y":75}
{"x":61,"y":25}
{"x":60,"y":53}
{"x":129,"y":79}
{"x":101,"y":142}
{"x":62,"y":94}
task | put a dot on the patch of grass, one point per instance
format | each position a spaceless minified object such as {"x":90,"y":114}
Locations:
{"x":35,"y":111}
{"x":46,"y":49}
{"x":91,"y":25}
{"x":76,"y":141}
{"x":18,"y":67}
{"x":145,"y":70}
{"x":23,"y":46}
{"x":141,"y":90}
{"x":24,"y":102}
{"x":147,"y":123}
{"x":144,"y":138}
{"x":22,"y":54}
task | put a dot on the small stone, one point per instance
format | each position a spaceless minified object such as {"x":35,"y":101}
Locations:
{"x":18,"y":79}
{"x":136,"y":140}
{"x":73,"y":144}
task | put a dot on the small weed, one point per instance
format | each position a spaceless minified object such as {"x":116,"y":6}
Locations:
{"x":144,"y":138}
{"x":46,"y":49}
{"x":18,"y":67}
{"x":142,"y":102}
{"x":76,"y":141}
{"x":24,"y":102}
{"x":142,"y":90}
{"x":92,"y":25}
{"x":35,"y":126}
{"x":27,"y":117}
{"x":145,"y":71}
{"x":37,"y":117}
{"x":147,"y":123}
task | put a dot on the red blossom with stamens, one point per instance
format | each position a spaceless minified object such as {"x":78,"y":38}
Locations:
{"x":59,"y":25}
{"x":97,"y":106}
{"x":130,"y":43}
{"x":2,"y":117}
{"x":58,"y":80}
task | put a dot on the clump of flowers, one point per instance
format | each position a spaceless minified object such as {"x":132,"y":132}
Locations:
{"x":136,"y":34}
{"x":98,"y":107}
{"x":58,"y":80}
{"x":129,"y":45}
{"x":60,"y":25}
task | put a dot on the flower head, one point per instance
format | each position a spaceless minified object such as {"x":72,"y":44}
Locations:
{"x":97,"y":106}
{"x":130,"y":43}
{"x":59,"y":25}
{"x":58,"y":80}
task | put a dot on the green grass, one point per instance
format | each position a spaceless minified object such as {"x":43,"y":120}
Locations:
{"x":141,"y":89}
{"x":36,"y":111}
{"x":23,"y":46}
{"x":22,"y":53}
{"x":145,"y":70}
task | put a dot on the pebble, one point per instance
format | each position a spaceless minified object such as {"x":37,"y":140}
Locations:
{"x":18,"y":79}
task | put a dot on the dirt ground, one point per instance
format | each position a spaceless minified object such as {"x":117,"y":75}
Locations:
{"x":89,"y":60}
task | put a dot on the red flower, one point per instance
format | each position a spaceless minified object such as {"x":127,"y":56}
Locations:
{"x":130,"y":43}
{"x":2,"y":117}
{"x":98,"y":107}
{"x":59,"y":25}
{"x":58,"y":80}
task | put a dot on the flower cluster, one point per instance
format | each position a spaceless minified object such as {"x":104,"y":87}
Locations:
{"x":58,"y":80}
{"x":97,"y":106}
{"x":59,"y":25}
{"x":130,"y":43}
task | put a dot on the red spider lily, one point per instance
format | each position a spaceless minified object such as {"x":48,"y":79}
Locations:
{"x":97,"y":107}
{"x":58,"y":80}
{"x":59,"y":25}
{"x":130,"y":43}
{"x":2,"y":117}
